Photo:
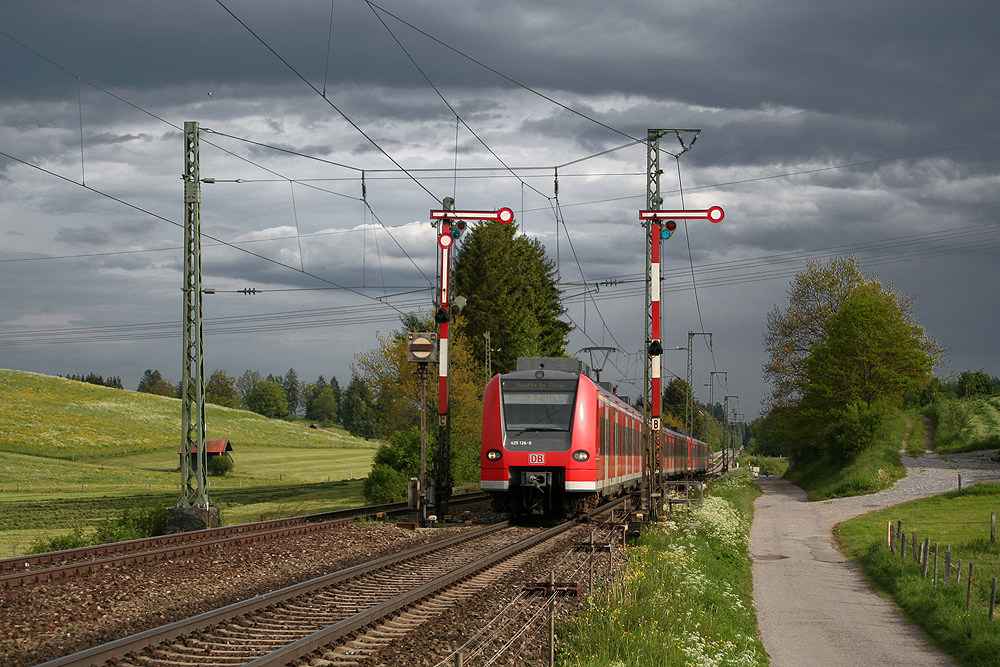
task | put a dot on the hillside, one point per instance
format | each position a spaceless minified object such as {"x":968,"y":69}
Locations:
{"x":53,"y":417}
{"x":57,"y":432}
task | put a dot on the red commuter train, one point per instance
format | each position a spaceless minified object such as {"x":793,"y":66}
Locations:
{"x":555,"y":441}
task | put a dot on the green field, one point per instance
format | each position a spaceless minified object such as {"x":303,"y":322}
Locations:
{"x":72,"y":454}
{"x":959,"y":520}
{"x":965,"y":424}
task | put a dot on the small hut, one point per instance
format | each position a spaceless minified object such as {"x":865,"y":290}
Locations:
{"x":213,"y":448}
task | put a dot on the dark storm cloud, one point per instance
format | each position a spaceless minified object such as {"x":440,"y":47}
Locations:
{"x":787,"y":94}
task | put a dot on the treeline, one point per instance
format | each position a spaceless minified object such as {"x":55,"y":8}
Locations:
{"x":967,"y":384}
{"x":274,"y":396}
{"x":94,"y":378}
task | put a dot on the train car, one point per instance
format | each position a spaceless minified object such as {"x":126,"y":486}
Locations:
{"x":556,"y":442}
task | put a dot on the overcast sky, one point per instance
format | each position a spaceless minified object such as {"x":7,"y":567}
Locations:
{"x":826,"y":129}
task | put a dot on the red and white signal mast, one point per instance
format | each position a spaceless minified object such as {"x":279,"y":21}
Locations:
{"x":451,"y":224}
{"x":660,"y":225}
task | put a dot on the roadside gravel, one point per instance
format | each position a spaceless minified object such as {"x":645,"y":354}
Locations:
{"x":813,"y":605}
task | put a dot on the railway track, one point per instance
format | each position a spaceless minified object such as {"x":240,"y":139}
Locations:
{"x":37,"y":568}
{"x":289,"y":624}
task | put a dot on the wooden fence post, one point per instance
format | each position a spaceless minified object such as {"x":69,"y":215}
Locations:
{"x":902,"y":545}
{"x":927,"y":549}
{"x":993,"y":596}
{"x":892,"y":538}
{"x":916,"y":549}
{"x":993,"y":527}
{"x":935,"y":562}
{"x":958,"y":573}
{"x":947,"y":564}
{"x":968,"y":594}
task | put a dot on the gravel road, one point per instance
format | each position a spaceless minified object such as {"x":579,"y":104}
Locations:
{"x":813,"y":606}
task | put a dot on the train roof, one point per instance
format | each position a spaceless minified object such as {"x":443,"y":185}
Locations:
{"x":561,"y":364}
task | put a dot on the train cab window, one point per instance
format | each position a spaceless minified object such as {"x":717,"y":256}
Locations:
{"x":538,"y":411}
{"x":532,"y":409}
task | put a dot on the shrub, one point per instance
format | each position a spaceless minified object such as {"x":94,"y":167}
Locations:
{"x":132,"y":524}
{"x":220,"y":465}
{"x":384,"y":484}
{"x":73,"y":540}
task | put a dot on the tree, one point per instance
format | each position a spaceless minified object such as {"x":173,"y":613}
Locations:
{"x":511,"y":294}
{"x":872,"y":354}
{"x":974,"y":383}
{"x":267,"y":399}
{"x":395,"y":384}
{"x":246,"y":382}
{"x":814,"y":298}
{"x":293,"y":391}
{"x":153,"y":383}
{"x":358,"y":410}
{"x":221,"y":390}
{"x":872,"y":357}
{"x":321,"y":405}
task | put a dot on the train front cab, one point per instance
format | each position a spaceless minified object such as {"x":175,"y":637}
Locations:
{"x":534,"y":448}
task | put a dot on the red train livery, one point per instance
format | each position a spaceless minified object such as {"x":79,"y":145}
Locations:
{"x":555,"y":441}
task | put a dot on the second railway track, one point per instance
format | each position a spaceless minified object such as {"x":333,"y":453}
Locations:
{"x":283,"y":626}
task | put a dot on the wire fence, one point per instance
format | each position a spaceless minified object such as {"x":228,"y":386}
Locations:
{"x":910,"y":545}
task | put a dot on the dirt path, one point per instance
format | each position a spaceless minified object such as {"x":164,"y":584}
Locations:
{"x":813,"y":606}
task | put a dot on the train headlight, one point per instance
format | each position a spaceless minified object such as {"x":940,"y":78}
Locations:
{"x":494,"y":455}
{"x":580,"y":455}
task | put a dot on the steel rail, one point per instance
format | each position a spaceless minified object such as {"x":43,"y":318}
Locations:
{"x":310,"y":644}
{"x":121,"y":648}
{"x":152,"y":548}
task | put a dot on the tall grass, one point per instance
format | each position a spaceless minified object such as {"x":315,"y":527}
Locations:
{"x":684,"y":597}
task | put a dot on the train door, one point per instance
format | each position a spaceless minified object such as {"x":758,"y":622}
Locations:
{"x":606,"y":442}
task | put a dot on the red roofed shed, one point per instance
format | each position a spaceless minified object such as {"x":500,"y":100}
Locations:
{"x":219,"y":447}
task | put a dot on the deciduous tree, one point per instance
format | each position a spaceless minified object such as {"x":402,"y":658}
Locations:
{"x":221,"y":390}
{"x":267,"y":399}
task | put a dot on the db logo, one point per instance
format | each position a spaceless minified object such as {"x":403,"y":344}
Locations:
{"x":536,"y":459}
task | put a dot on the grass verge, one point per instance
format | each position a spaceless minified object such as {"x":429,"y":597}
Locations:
{"x":961,"y":520}
{"x":871,"y":470}
{"x":685,"y":595}
{"x":26,"y":521}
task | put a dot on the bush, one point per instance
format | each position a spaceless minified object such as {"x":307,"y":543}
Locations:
{"x":132,"y":524}
{"x":220,"y":465}
{"x":384,"y":484}
{"x":74,"y":540}
{"x":858,"y":427}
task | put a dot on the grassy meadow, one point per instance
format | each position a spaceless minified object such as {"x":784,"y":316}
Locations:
{"x":965,"y":424}
{"x":72,"y":454}
{"x":959,"y":520}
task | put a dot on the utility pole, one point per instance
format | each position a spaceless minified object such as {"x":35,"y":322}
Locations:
{"x":689,"y":417}
{"x":422,"y":349}
{"x":450,"y":225}
{"x":655,"y":232}
{"x":728,"y":427}
{"x":193,"y":509}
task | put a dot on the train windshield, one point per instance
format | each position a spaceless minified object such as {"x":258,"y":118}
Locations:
{"x":537,"y":406}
